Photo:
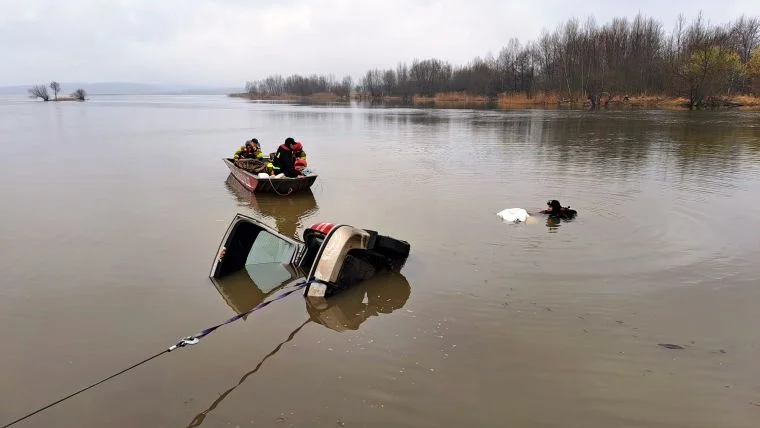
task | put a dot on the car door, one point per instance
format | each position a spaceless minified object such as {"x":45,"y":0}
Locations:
{"x":259,"y":249}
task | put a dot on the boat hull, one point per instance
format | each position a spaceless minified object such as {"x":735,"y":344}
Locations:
{"x":280,"y":186}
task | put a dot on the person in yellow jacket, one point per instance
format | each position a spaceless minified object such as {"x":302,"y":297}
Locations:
{"x":251,"y":150}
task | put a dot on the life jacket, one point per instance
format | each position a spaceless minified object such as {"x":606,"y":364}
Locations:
{"x":276,"y":168}
{"x":257,"y":153}
{"x":239,"y":152}
{"x":253,"y":154}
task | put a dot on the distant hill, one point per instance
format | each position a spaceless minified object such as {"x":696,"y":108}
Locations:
{"x":126,"y":88}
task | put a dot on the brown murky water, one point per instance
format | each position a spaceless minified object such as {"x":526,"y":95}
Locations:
{"x":111,"y":212}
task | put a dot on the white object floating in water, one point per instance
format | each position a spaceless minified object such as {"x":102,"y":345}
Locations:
{"x":513,"y":215}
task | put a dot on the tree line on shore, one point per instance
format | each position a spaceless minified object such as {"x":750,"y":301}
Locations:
{"x":276,"y":86}
{"x":577,"y":61}
{"x":41,"y":92}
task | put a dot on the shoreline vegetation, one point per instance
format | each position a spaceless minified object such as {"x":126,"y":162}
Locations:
{"x":634,"y":63}
{"x":515,"y":101}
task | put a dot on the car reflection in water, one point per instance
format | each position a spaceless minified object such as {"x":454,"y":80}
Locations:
{"x":384,"y":294}
{"x":289,"y":213}
{"x":381,"y":294}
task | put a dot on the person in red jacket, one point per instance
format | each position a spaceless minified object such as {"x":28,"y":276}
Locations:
{"x":300,"y":155}
{"x":284,"y":161}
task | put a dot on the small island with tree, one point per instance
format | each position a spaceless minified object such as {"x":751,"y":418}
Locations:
{"x":41,"y":92}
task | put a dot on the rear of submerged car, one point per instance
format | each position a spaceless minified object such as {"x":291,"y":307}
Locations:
{"x":332,"y":257}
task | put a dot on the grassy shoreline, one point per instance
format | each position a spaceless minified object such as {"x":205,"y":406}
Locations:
{"x":519,"y":100}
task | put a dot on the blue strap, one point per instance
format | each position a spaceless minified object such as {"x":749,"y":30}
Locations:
{"x":192,"y":340}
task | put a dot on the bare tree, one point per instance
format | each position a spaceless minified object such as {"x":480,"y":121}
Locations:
{"x":251,"y":88}
{"x":56,"y":87}
{"x":745,"y":36}
{"x":430,"y":76}
{"x":372,"y":83}
{"x":389,"y":82}
{"x":39,"y":91}
{"x":343,"y":89}
{"x":80,"y":94}
{"x":404,"y":87}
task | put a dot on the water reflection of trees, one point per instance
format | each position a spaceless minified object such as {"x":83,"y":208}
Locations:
{"x":621,"y":144}
{"x":612,"y":144}
{"x":404,"y":118}
{"x":289,"y":213}
{"x":602,"y":143}
{"x":287,"y":113}
{"x":704,"y":146}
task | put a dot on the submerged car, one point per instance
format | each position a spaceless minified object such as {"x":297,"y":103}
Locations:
{"x":331,"y":257}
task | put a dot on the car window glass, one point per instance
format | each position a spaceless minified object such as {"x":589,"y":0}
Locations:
{"x":269,"y":248}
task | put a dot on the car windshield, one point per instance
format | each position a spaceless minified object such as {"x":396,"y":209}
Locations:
{"x":267,"y":262}
{"x":269,"y":248}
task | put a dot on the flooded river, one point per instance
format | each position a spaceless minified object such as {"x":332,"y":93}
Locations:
{"x":112,"y":210}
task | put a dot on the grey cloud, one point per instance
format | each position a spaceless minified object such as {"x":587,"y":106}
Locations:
{"x":219,"y":42}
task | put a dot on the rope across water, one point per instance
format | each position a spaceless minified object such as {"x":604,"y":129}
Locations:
{"x":189,"y":340}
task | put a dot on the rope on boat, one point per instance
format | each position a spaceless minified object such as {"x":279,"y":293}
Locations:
{"x":189,"y":340}
{"x":290,"y":189}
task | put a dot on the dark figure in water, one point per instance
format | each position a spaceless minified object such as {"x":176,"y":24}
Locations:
{"x":556,"y":210}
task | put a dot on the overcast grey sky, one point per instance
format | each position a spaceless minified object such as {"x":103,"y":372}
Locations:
{"x":226,"y":42}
